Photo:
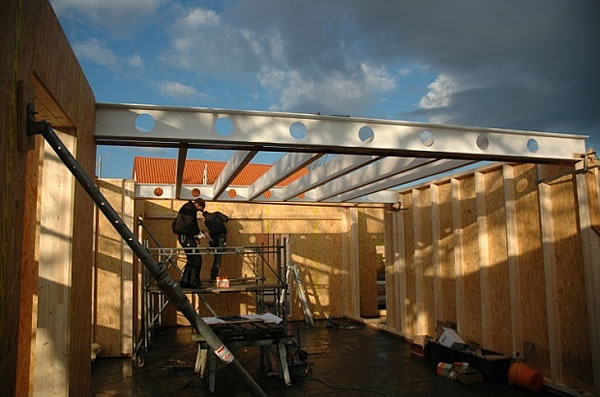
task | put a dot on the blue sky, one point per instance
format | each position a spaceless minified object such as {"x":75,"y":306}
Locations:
{"x":524,"y":64}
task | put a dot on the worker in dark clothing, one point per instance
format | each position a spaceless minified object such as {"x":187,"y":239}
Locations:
{"x":188,"y":233}
{"x":215,"y":223}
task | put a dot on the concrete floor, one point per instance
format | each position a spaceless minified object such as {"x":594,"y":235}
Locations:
{"x":348,"y":360}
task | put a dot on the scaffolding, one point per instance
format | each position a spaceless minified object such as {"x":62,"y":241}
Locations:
{"x":268,"y":283}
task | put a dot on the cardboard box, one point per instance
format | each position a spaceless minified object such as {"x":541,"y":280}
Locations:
{"x":443,"y":369}
{"x":222,"y":282}
{"x":449,"y":337}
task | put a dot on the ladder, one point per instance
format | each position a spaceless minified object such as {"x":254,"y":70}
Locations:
{"x":308,"y":317}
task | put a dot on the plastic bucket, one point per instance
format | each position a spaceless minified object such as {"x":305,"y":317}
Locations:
{"x":523,"y":375}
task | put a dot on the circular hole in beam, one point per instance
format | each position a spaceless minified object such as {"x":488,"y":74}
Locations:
{"x":426,"y":138}
{"x":231,"y":193}
{"x":482,"y":142}
{"x":532,"y":145}
{"x":267,"y":194}
{"x":298,"y":130}
{"x":144,"y":123}
{"x":366,"y":134}
{"x":224,"y":126}
{"x":195,"y":192}
{"x":158,"y":191}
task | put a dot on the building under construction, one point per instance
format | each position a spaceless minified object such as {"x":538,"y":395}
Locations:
{"x":495,"y":233}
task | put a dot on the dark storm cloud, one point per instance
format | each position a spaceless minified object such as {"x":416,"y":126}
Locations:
{"x":528,"y":64}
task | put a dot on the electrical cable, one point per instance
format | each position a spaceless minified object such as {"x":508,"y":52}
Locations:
{"x":360,"y":389}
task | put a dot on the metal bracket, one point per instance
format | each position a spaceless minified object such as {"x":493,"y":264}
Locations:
{"x":580,"y":171}
{"x":25,"y":141}
{"x":34,"y":127}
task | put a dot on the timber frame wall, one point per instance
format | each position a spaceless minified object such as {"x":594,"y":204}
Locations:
{"x":334,"y":248}
{"x":506,"y":259}
{"x":45,"y":236}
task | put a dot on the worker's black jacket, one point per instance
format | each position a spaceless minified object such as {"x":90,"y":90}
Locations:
{"x":186,"y":221}
{"x":215,"y":223}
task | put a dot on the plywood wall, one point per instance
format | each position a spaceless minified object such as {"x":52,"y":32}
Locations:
{"x":504,"y":257}
{"x":113,"y":271}
{"x":35,"y":50}
{"x":318,"y":241}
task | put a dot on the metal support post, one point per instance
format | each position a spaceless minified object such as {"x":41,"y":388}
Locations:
{"x":164,"y":281}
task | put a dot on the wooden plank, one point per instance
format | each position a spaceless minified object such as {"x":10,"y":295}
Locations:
{"x":346,"y":230}
{"x":410,"y":273}
{"x":570,"y":279}
{"x":587,"y":195}
{"x":420,"y":326}
{"x":30,"y":257}
{"x":471,"y":329}
{"x":498,"y":272}
{"x":400,"y":271}
{"x":370,"y":231}
{"x":354,"y":263}
{"x":424,"y":255}
{"x":548,"y":239}
{"x":458,"y":253}
{"x":436,"y":261}
{"x":53,"y":333}
{"x":127,"y":214}
{"x":447,"y":295}
{"x":391,"y":289}
{"x":512,"y":246}
{"x":532,"y":314}
{"x":108,"y":299}
{"x":484,"y":260}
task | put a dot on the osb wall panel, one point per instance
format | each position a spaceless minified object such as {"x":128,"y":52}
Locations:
{"x":497,"y":331}
{"x":318,"y":259}
{"x":424,"y":270}
{"x":571,"y":304}
{"x":500,"y":301}
{"x":392,"y":288}
{"x":470,"y":323}
{"x":370,"y":226}
{"x":447,"y":305}
{"x":113,"y":312}
{"x":410,"y":272}
{"x":315,"y":239}
{"x":532,"y":296}
{"x":54,"y":273}
{"x":33,"y":43}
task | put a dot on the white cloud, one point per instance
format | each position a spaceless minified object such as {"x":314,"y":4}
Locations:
{"x":333,"y":92}
{"x":440,"y":92}
{"x":404,"y":72}
{"x":96,"y":51}
{"x":199,"y":18}
{"x":118,"y":15}
{"x":136,"y":61}
{"x":175,"y":89}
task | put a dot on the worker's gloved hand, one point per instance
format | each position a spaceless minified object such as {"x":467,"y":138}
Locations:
{"x":199,"y":237}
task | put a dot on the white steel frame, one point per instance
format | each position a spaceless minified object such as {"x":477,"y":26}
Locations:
{"x":374,"y":155}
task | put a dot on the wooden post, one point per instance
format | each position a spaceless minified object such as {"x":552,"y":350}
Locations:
{"x":512,"y":246}
{"x":484,"y":260}
{"x":458,"y":254}
{"x":354,"y":263}
{"x":591,"y":253}
{"x":435,"y":235}
{"x":391,"y":290}
{"x":550,"y":281}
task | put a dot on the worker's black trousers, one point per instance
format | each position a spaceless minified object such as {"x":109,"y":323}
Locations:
{"x":191,"y":273}
{"x":219,"y":243}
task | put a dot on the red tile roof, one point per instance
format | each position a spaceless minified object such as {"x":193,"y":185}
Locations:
{"x":161,"y":170}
